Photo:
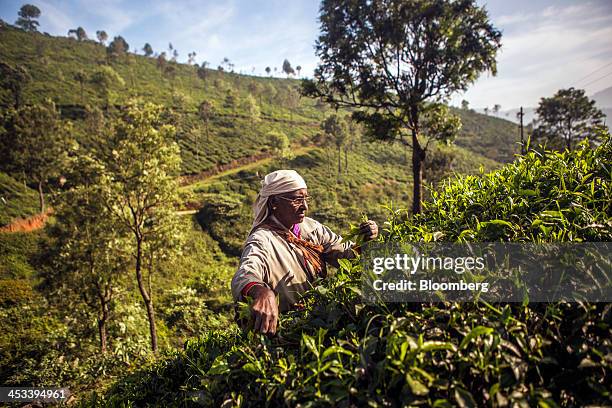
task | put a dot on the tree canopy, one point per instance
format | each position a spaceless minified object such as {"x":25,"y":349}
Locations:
{"x":27,"y":15}
{"x":391,"y":58}
{"x":567,"y":118}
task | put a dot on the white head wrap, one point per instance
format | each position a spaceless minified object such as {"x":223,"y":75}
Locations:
{"x":277,"y":182}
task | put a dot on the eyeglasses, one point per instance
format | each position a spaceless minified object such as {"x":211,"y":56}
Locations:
{"x":297,"y":200}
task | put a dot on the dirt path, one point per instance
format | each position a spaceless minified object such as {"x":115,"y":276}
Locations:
{"x":35,"y":222}
{"x":245,"y":163}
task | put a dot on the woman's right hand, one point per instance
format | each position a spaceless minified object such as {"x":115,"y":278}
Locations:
{"x":264,"y":308}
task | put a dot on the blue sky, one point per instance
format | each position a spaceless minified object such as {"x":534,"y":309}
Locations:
{"x":547,"y":45}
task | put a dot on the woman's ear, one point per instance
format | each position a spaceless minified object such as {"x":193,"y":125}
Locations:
{"x":272,"y":203}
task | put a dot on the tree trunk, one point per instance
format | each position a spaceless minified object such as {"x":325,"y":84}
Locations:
{"x":102,"y":324}
{"x":418,"y":158}
{"x":41,"y":197}
{"x":145,"y":296}
{"x":346,"y":161}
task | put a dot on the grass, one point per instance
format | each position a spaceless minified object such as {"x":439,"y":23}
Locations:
{"x":16,"y":200}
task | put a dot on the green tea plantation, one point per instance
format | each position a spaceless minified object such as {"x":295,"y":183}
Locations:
{"x":340,"y":352}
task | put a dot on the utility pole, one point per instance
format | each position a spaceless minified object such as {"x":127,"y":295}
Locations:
{"x":520,"y":115}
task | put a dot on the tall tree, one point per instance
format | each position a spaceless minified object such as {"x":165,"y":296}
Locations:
{"x":90,"y":244}
{"x":252,"y":108}
{"x":117,"y":48}
{"x":162,"y":62}
{"x":287,"y":68}
{"x":496,"y":108}
{"x":79,"y":33}
{"x":27,"y":15}
{"x":337,"y":130}
{"x":206,"y":111}
{"x":280,"y":145}
{"x":298,"y":69}
{"x":567,"y":118}
{"x":106,"y":79}
{"x":391,"y":57}
{"x":191,"y":57}
{"x":143,"y":193}
{"x":39,"y":143}
{"x":147,"y":50}
{"x":81,"y":77}
{"x":14,"y":79}
{"x":268,"y":70}
{"x":102,"y":36}
{"x":465,"y":105}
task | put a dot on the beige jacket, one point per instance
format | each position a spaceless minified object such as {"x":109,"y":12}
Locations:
{"x":270,"y":260}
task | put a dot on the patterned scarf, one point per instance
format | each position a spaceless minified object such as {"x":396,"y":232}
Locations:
{"x":312,"y":253}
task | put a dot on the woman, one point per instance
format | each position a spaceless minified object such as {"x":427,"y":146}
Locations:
{"x":286,"y":250}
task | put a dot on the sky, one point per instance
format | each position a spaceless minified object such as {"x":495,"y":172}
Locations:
{"x":546,"y":44}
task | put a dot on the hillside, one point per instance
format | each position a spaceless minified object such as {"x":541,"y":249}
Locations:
{"x":54,"y":62}
{"x":16,"y":199}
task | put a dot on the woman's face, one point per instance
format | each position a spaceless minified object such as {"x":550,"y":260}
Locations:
{"x":290,"y":208}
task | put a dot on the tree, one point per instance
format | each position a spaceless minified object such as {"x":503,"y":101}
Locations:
{"x":81,"y":78}
{"x":486,"y":110}
{"x":191,"y":57}
{"x":147,"y":50}
{"x":230,"y":99}
{"x":162,"y":62}
{"x":353,"y":137}
{"x":206,"y":111}
{"x":105,"y":79}
{"x":102,"y":36}
{"x":27,"y":15}
{"x":39,"y":143}
{"x":567,"y":118}
{"x":252,"y":108}
{"x":337,"y":129}
{"x":79,"y":33}
{"x":287,"y":68}
{"x":391,"y":57}
{"x":280,"y":145}
{"x":141,"y":187}
{"x":298,"y":69}
{"x":202,"y":72}
{"x":14,"y":79}
{"x":496,"y":108}
{"x":268,"y":70}
{"x":117,"y":48}
{"x":90,"y":243}
{"x":465,"y":105}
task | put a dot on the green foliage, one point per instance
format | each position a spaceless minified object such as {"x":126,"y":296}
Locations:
{"x":39,"y":143}
{"x":16,"y":200}
{"x":14,"y":291}
{"x":567,"y":118}
{"x":540,"y":197}
{"x":14,"y":79}
{"x":18,"y":251}
{"x":439,"y":47}
{"x":27,"y":15}
{"x":339,"y":351}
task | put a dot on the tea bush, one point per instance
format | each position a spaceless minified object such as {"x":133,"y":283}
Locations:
{"x":339,"y":351}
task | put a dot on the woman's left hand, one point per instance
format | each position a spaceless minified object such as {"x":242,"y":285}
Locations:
{"x":369,"y":230}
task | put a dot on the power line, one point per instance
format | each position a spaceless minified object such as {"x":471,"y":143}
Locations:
{"x":592,"y":82}
{"x":597,"y":70}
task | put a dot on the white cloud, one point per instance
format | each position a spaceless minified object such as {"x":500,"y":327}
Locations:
{"x":553,"y":50}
